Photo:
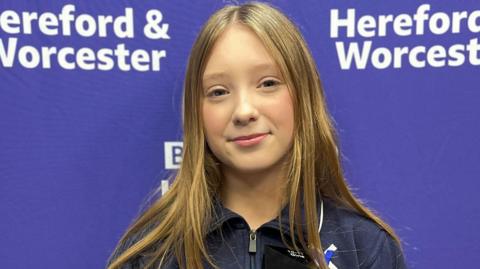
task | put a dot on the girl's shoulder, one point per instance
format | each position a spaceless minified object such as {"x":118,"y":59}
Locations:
{"x":355,"y":241}
{"x":138,"y":261}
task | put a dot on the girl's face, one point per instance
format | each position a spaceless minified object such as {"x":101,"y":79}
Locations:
{"x":247,"y":107}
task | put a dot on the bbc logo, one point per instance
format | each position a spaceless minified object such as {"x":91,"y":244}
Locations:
{"x":173,"y":154}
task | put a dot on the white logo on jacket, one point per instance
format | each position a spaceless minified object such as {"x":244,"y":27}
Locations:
{"x":328,"y":256}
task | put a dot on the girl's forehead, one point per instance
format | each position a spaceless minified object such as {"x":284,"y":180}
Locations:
{"x":238,"y":40}
{"x":238,"y":48}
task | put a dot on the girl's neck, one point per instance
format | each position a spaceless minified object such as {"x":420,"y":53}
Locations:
{"x":256,"y":196}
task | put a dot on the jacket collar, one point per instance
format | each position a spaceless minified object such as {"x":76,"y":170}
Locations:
{"x":223,"y":215}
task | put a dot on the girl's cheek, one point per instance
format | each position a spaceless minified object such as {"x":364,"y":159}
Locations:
{"x":280,"y":108}
{"x":214,"y":119}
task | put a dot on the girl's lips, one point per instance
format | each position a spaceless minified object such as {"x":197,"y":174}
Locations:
{"x":251,"y":140}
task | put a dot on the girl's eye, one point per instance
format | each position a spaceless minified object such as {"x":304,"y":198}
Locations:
{"x":216,"y":93}
{"x":270,"y":83}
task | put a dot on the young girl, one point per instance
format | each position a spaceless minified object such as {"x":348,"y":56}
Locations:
{"x":260,"y":185}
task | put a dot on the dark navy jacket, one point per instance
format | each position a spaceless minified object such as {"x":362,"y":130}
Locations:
{"x":348,"y":239}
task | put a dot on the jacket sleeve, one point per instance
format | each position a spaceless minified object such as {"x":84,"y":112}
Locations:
{"x":386,"y":255}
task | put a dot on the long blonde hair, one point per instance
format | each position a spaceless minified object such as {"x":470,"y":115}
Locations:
{"x":179,"y":220}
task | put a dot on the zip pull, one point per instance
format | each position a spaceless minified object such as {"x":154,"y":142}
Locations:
{"x":252,"y":246}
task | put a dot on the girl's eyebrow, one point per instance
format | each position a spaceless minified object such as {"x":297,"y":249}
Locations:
{"x":256,"y":68}
{"x":214,"y":76}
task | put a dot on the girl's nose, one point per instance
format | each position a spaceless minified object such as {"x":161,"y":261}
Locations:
{"x":245,"y":110}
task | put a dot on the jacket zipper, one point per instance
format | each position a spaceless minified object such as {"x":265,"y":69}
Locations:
{"x":252,"y":247}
